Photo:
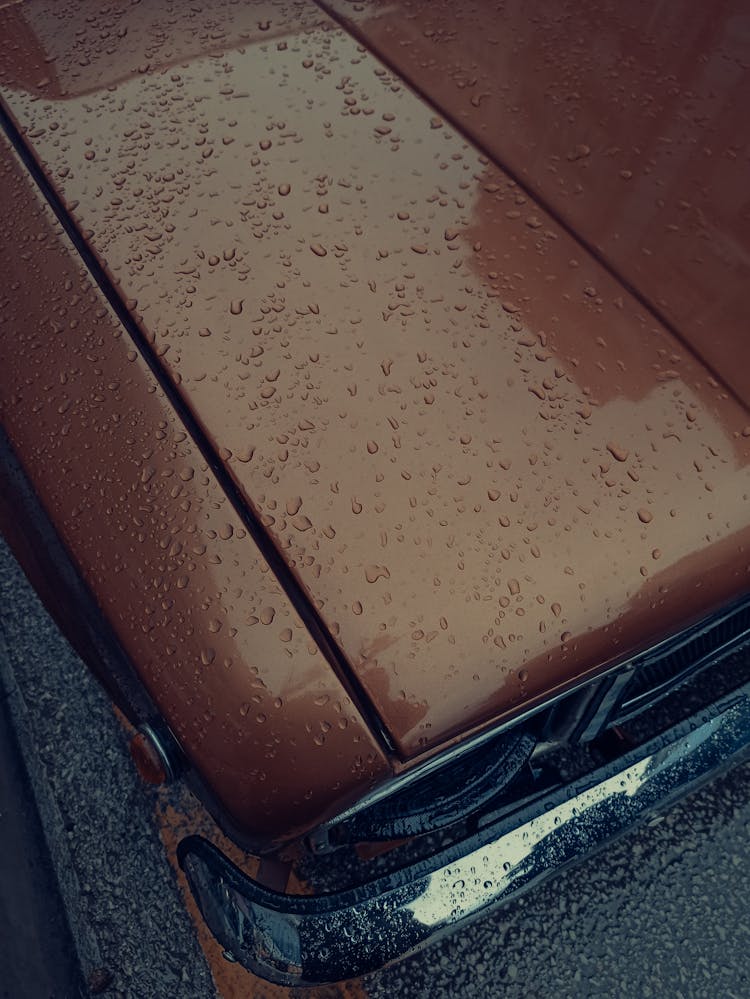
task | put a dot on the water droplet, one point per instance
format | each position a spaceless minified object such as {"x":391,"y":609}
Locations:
{"x":376,"y":572}
{"x":579,"y":152}
{"x":293,"y":505}
{"x":617,"y":452}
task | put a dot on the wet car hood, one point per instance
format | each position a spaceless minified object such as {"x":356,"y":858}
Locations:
{"x":495,"y":455}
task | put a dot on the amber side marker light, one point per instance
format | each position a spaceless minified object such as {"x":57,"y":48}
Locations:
{"x":154,"y":758}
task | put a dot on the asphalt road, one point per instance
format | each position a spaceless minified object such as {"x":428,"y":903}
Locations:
{"x":665,"y":912}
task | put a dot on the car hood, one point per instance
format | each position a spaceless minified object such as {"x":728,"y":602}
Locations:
{"x":491,"y":457}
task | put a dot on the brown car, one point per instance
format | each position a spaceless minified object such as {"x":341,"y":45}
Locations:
{"x":374,"y":398}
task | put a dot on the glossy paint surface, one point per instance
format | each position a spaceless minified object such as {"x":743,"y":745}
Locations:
{"x":255,"y":706}
{"x":629,"y":120}
{"x":490,"y":468}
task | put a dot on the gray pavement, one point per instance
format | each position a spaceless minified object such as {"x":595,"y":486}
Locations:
{"x":665,"y":912}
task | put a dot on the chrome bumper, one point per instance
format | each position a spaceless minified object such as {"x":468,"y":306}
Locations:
{"x":310,"y":940}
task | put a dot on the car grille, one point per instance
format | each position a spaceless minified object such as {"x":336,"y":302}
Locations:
{"x":658,"y":672}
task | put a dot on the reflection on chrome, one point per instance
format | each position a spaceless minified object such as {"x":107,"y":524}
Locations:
{"x":474,"y":883}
